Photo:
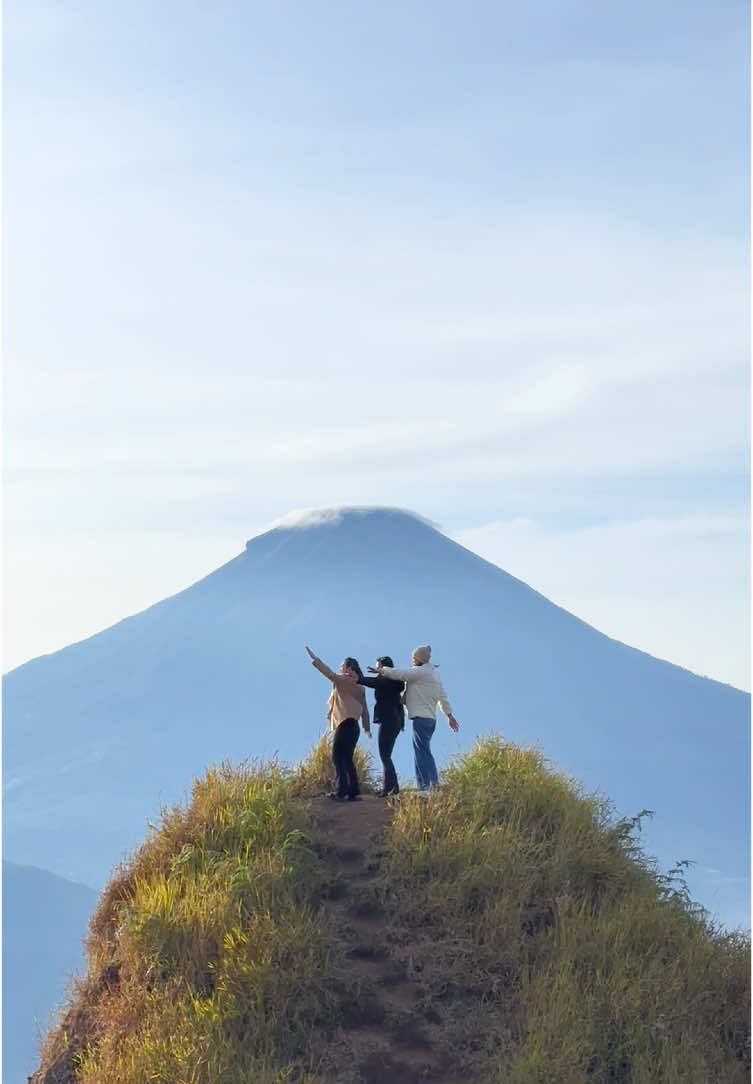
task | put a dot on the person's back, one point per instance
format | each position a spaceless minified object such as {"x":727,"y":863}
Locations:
{"x":389,"y":714}
{"x":423,"y":691}
{"x":346,"y":704}
{"x":388,"y":698}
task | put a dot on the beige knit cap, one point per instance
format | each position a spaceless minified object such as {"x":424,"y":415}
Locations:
{"x":421,"y":655}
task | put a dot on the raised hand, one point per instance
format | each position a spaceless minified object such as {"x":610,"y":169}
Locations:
{"x":310,"y":652}
{"x":454,"y":724}
{"x":372,"y":669}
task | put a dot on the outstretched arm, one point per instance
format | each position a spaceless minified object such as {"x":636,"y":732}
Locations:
{"x":377,"y":681}
{"x":399,"y":675}
{"x":321,"y":666}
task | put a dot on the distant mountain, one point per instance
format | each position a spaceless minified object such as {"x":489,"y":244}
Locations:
{"x":99,"y":734}
{"x":44,"y":921}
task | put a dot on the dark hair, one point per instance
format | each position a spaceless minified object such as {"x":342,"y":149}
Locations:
{"x":385,"y":660}
{"x":352,"y":664}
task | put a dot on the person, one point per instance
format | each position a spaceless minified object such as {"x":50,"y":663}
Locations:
{"x":346,"y":704}
{"x":389,"y":715}
{"x":424,"y":690}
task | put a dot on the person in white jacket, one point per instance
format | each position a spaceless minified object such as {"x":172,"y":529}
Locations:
{"x":423,"y":691}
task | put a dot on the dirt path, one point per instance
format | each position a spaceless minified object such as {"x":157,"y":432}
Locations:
{"x":388,"y":1034}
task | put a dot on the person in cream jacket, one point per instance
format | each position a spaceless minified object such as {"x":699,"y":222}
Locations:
{"x":423,"y":692}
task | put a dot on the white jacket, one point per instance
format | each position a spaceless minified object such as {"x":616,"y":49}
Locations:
{"x":423,"y":690}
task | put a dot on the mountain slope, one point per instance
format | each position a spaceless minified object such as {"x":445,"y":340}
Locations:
{"x":44,"y":921}
{"x":504,"y":929}
{"x":100,"y":733}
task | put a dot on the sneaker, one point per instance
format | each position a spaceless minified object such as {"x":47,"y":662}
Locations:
{"x":355,"y":798}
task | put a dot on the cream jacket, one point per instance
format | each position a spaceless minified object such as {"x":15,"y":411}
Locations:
{"x":423,"y":690}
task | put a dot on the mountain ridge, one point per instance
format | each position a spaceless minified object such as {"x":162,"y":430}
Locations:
{"x":44,"y":922}
{"x":122,"y":718}
{"x":100,"y":735}
{"x":332,"y":516}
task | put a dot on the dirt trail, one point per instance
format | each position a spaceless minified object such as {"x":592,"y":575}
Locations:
{"x":389,"y":1034}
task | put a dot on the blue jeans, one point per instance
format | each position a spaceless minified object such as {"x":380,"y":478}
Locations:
{"x":426,"y":769}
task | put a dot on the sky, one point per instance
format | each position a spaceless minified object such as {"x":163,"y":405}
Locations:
{"x":484,"y":261}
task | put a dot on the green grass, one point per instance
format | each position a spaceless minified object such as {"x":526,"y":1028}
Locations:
{"x":545,"y":944}
{"x":555,"y":951}
{"x":207,"y":963}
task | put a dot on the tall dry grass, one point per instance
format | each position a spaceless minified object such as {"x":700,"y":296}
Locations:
{"x":555,"y":950}
{"x":545,"y":946}
{"x":315,"y":775}
{"x":207,"y":962}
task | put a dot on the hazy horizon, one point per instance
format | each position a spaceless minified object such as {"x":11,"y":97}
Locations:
{"x":301,"y":518}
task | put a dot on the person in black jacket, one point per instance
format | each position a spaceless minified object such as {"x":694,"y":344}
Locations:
{"x":389,"y":715}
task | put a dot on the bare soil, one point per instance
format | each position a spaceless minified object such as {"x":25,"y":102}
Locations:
{"x":389,"y":1035}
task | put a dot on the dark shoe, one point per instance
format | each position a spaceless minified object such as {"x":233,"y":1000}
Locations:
{"x":355,"y":798}
{"x":336,"y":797}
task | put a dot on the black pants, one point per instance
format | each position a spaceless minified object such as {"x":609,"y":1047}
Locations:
{"x":343,"y":747}
{"x":388,"y":733}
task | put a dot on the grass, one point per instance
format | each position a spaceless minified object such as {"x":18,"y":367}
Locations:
{"x":546,"y":946}
{"x":314,"y":775}
{"x":555,"y":950}
{"x":207,"y":963}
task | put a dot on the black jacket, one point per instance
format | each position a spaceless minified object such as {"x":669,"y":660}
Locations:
{"x":388,"y":699}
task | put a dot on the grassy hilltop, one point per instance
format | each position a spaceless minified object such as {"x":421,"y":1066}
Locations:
{"x":535,"y":943}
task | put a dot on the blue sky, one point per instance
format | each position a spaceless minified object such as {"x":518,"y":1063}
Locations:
{"x":484,"y":261}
